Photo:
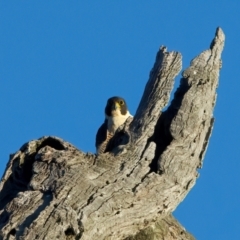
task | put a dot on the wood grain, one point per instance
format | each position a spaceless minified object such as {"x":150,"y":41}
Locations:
{"x":52,"y":190}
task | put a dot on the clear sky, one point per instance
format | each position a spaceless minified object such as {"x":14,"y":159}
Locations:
{"x":61,"y":60}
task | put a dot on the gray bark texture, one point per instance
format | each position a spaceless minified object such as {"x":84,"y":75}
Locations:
{"x":52,"y":190}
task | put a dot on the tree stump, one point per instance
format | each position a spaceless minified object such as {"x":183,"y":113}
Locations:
{"x":52,"y":190}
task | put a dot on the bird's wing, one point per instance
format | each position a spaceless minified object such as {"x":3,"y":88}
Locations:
{"x":102,"y":138}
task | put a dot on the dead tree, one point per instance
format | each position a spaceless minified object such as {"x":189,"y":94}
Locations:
{"x":52,"y":190}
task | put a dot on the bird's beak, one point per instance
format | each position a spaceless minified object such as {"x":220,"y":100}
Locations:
{"x":116,"y":106}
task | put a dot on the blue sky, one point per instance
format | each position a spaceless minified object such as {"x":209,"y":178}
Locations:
{"x":61,"y":60}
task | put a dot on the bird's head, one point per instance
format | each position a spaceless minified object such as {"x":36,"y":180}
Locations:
{"x":116,"y":106}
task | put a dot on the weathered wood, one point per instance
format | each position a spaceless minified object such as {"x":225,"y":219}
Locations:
{"x":51,"y":190}
{"x":167,"y":228}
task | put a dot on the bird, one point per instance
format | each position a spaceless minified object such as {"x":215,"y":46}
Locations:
{"x":116,"y":113}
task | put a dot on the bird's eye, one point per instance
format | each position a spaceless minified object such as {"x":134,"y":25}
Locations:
{"x":121,"y":102}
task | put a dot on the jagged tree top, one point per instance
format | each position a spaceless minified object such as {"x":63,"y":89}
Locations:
{"x":51,"y":190}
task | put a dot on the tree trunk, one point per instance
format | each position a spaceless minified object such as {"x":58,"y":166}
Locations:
{"x":52,"y":190}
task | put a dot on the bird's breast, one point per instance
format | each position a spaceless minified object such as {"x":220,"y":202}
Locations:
{"x":116,"y":121}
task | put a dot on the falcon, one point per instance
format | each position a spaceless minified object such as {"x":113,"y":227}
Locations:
{"x":116,"y":113}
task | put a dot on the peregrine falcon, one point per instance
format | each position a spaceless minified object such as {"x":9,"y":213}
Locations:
{"x":116,"y":113}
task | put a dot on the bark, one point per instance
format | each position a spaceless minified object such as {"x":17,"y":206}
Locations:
{"x":52,"y":190}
